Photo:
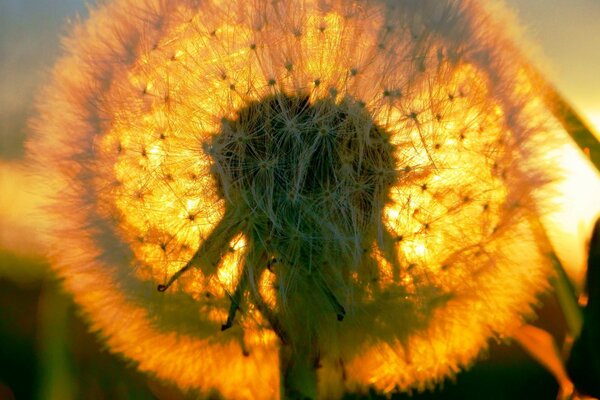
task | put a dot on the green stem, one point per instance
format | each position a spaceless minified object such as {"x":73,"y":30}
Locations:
{"x":298,"y":374}
{"x":565,"y":293}
{"x":57,"y":380}
{"x":566,"y":298}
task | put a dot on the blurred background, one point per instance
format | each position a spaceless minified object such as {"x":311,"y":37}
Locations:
{"x":46,"y":351}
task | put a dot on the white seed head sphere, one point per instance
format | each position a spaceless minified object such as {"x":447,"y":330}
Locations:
{"x":353,"y":179}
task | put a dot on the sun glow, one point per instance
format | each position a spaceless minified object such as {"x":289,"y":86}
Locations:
{"x":594,"y":117}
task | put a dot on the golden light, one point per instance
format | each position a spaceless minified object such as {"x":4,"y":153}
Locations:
{"x":594,"y":117}
{"x":20,"y":206}
{"x":276,"y":167}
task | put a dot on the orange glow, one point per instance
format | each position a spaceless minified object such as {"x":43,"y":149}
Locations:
{"x":450,"y":254}
{"x":21,"y":200}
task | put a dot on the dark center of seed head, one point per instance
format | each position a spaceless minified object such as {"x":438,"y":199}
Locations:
{"x":297,"y":164}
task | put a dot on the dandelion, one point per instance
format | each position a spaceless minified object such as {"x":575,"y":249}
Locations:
{"x":340,"y":190}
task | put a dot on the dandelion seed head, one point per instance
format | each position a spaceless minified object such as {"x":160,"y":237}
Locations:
{"x":273,"y":165}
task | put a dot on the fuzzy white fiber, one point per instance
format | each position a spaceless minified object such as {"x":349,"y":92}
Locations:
{"x":354,"y":179}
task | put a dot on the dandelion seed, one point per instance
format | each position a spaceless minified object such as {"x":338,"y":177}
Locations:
{"x":306,"y":183}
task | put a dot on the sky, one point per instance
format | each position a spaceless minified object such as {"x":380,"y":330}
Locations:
{"x":567,"y":34}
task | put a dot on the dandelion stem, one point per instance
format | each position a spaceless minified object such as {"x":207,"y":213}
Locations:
{"x":298,"y":374}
